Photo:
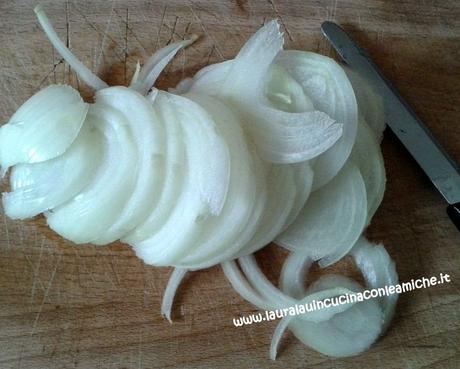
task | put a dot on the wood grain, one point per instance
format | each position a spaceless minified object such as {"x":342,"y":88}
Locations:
{"x":63,"y":306}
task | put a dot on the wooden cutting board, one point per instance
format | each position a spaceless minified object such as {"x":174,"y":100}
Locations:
{"x":63,"y":306}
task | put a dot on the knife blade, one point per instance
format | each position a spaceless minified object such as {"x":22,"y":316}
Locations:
{"x":410,"y":130}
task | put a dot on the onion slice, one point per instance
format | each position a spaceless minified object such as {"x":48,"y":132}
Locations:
{"x":327,"y":86}
{"x":368,"y":157}
{"x":156,"y":63}
{"x":149,"y":136}
{"x":379,"y":271}
{"x":370,"y":103}
{"x":205,"y":190}
{"x":42,"y":186}
{"x":86,"y":75}
{"x":171,"y":175}
{"x":228,"y":232}
{"x":43,"y":127}
{"x":88,"y":215}
{"x":332,"y":219}
{"x":281,"y":137}
{"x":175,"y":279}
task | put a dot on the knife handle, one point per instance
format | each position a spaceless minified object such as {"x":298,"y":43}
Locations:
{"x":453,"y":211}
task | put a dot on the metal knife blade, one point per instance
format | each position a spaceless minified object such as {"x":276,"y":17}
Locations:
{"x":435,"y":162}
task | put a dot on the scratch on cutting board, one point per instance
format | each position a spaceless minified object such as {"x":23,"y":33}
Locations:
{"x":332,"y":13}
{"x":67,"y":41}
{"x":161,"y":25}
{"x":203,"y":27}
{"x":126,"y":44}
{"x":139,"y":357}
{"x":129,"y":29}
{"x":173,"y":31}
{"x":7,"y":232}
{"x":36,"y":270}
{"x":104,"y":38}
{"x":92,"y":26}
{"x":52,"y":70}
{"x":40,"y":309}
{"x":278,"y":14}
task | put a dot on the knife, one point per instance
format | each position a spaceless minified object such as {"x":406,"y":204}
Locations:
{"x":410,"y":130}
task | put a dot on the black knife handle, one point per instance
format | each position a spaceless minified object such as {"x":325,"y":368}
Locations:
{"x":454,"y":213}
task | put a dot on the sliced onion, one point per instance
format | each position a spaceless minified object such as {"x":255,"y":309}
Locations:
{"x":332,"y":219}
{"x":281,"y":137}
{"x":293,"y":273}
{"x":90,"y":214}
{"x":149,"y":138}
{"x":204,"y":193}
{"x":42,"y":186}
{"x":284,"y":92}
{"x":43,"y":127}
{"x":370,"y":103}
{"x":171,"y":175}
{"x":156,"y":63}
{"x":281,"y":194}
{"x":208,"y":80}
{"x":227,"y":233}
{"x":176,"y":278}
{"x":243,"y":287}
{"x":85,"y":74}
{"x":368,"y":157}
{"x":326,"y":84}
{"x":346,"y":333}
{"x":379,"y":271}
{"x":303,"y":177}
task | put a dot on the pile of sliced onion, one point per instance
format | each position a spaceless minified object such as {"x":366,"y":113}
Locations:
{"x":268,"y":146}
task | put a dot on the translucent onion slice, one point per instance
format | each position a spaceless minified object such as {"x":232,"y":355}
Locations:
{"x":303,"y":177}
{"x":211,"y":155}
{"x":293,"y":273}
{"x":88,"y":215}
{"x":85,"y":74}
{"x":281,"y":194}
{"x":43,"y":127}
{"x":156,"y":63}
{"x":328,"y":87}
{"x":370,"y":103}
{"x":285,"y":92}
{"x":208,"y":80}
{"x":42,"y":186}
{"x":204,"y":193}
{"x":149,"y":137}
{"x":171,"y":175}
{"x":225,"y":234}
{"x":241,"y":285}
{"x":288,"y":189}
{"x":379,"y":271}
{"x":347,"y":333}
{"x":368,"y":157}
{"x":280,"y":300}
{"x":281,"y":137}
{"x":339,"y":330}
{"x":332,"y":219}
{"x":174,"y":281}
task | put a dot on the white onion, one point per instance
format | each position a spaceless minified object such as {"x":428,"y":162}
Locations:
{"x":43,"y":127}
{"x":148,"y":74}
{"x":370,"y":103}
{"x":331,"y":220}
{"x":148,"y":135}
{"x":171,"y":174}
{"x":89,"y":215}
{"x":327,"y":85}
{"x":38,"y":187}
{"x":262,"y":147}
{"x":367,"y":155}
